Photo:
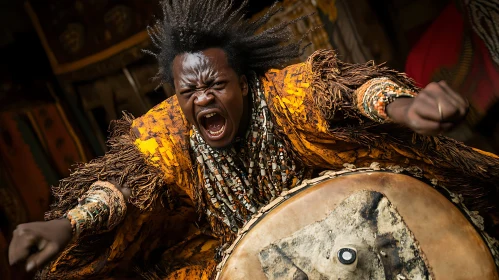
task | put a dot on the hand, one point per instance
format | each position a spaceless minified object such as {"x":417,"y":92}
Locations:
{"x":38,"y":242}
{"x":436,"y":109}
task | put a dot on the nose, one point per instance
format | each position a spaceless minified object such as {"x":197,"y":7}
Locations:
{"x":203,"y":97}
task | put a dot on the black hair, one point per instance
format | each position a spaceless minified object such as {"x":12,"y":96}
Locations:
{"x":196,"y":25}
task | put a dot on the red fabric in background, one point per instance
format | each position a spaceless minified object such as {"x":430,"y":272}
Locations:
{"x":441,"y":46}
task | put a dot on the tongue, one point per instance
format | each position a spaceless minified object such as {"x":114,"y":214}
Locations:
{"x":215,"y":123}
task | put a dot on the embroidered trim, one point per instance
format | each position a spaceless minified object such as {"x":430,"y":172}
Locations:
{"x":376,"y":94}
{"x":99,"y":210}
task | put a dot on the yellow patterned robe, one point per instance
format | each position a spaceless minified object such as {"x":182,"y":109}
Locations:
{"x":314,"y":111}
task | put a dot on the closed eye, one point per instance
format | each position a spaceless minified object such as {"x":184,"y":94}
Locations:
{"x":219,"y":84}
{"x":187,"y":90}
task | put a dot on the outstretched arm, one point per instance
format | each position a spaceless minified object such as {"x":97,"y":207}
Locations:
{"x":344,"y":90}
{"x":102,"y":214}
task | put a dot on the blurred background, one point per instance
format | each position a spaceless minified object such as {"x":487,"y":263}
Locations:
{"x":70,"y":67}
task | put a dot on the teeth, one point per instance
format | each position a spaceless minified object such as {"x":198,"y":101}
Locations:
{"x":216,"y":133}
{"x":210,"y":115}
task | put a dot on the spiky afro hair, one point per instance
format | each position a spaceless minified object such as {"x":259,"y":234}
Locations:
{"x":195,"y":25}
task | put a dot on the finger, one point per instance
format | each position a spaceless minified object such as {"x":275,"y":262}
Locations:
{"x":450,"y":112}
{"x":440,"y":110}
{"x":429,"y":127}
{"x":442,"y":93}
{"x":427,"y":109}
{"x":449,"y":91}
{"x":20,"y":246}
{"x":456,"y":97}
{"x":41,"y":245}
{"x":41,"y":258}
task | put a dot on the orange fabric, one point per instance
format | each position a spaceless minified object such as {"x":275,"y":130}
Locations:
{"x":163,"y":138}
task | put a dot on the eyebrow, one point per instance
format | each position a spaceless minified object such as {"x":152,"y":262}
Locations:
{"x":187,"y":85}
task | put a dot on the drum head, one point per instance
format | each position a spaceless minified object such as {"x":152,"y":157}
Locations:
{"x":370,"y":225}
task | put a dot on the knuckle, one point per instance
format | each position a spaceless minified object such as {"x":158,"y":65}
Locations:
{"x":443,"y":83}
{"x":424,"y":96}
{"x":432,"y":86}
{"x":19,"y":232}
{"x":421,"y":94}
{"x":21,"y":226}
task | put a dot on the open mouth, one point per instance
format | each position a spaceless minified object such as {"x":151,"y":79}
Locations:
{"x":214,"y":124}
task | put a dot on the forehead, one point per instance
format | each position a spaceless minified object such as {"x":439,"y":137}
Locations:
{"x":213,"y":59}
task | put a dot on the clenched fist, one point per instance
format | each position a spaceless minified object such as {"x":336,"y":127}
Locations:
{"x":436,"y":109}
{"x":37,"y":243}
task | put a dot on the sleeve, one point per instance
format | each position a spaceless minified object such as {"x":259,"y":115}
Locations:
{"x":359,"y":91}
{"x":320,"y":109}
{"x":149,"y":219}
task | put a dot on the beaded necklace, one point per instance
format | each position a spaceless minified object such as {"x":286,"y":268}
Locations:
{"x":238,"y":180}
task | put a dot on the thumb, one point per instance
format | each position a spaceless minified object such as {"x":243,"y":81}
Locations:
{"x":40,"y":258}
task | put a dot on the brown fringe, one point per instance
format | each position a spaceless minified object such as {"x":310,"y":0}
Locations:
{"x":343,"y":78}
{"x":123,"y":163}
{"x":460,"y":168}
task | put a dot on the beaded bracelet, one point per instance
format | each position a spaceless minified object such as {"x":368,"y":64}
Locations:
{"x":376,"y":94}
{"x":101,"y":208}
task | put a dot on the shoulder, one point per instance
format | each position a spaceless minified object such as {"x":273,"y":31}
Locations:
{"x":290,"y":98}
{"x":296,"y":74}
{"x":162,"y":135}
{"x":166,"y":117}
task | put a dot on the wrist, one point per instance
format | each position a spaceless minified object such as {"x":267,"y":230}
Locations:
{"x":397,"y":109}
{"x":99,"y":210}
{"x":67,"y":232}
{"x":378,"y":96}
{"x":64,"y":223}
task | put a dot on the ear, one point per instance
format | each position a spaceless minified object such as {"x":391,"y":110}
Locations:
{"x":243,"y":83}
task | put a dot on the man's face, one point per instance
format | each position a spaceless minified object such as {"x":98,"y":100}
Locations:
{"x":211,"y":95}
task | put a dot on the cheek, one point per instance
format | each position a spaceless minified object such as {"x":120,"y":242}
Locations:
{"x":236,"y":105}
{"x":185,"y":106}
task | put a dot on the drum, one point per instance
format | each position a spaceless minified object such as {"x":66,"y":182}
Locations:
{"x":359,"y":224}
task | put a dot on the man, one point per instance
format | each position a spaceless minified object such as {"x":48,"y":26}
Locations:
{"x":235,"y":135}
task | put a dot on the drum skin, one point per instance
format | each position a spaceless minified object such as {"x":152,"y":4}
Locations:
{"x":453,"y":248}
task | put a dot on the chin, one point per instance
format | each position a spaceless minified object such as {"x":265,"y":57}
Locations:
{"x":220,"y":143}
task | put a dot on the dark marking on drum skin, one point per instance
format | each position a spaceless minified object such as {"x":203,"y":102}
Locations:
{"x":392,"y":263}
{"x":300,"y":275}
{"x":370,"y":210}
